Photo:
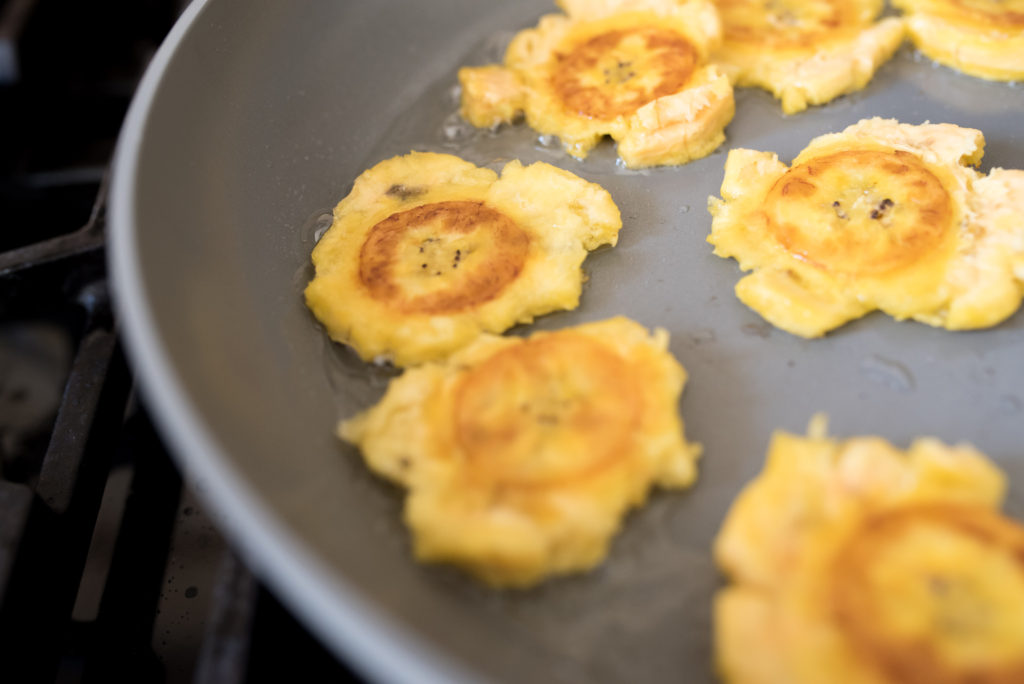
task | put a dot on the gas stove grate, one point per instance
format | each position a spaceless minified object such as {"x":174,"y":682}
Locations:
{"x":109,"y":570}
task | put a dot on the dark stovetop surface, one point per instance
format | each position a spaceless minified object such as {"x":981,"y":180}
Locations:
{"x":109,"y":568}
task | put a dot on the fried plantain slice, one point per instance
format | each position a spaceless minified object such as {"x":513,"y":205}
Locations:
{"x":933,"y":593}
{"x":521,"y":455}
{"x":634,"y":70}
{"x":806,"y":52}
{"x":983,"y":38}
{"x":881,"y":216}
{"x":857,"y":563}
{"x":808,"y":482}
{"x":429,"y":250}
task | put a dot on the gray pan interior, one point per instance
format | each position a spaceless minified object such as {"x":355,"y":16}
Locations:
{"x":252,"y":123}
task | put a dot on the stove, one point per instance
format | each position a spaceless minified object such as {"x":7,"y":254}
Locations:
{"x":109,"y":569}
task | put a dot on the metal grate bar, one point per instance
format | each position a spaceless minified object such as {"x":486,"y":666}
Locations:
{"x":13,"y":17}
{"x":121,"y":646}
{"x":15,"y":504}
{"x":224,"y":656}
{"x":87,"y":239}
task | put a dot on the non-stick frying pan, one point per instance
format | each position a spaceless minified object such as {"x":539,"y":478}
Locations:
{"x":252,"y":122}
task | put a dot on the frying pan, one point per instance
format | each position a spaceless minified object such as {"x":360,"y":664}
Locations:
{"x":252,"y":122}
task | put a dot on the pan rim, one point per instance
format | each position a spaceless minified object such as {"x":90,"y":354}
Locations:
{"x":346,"y":623}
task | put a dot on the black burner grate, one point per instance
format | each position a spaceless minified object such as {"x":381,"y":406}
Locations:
{"x":109,"y":571}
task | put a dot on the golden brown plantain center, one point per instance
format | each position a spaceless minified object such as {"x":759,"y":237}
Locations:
{"x":934,"y":594}
{"x":859,"y":212}
{"x":617,"y":72}
{"x":547,"y":412}
{"x":443,"y":257}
